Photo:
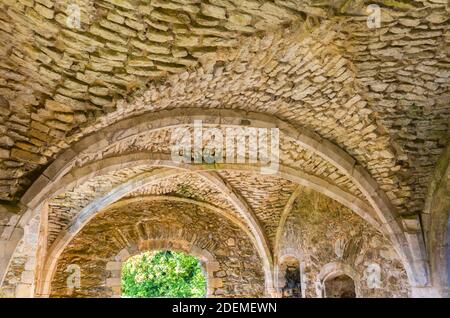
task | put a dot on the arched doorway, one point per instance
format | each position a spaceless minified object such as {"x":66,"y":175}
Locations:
{"x":163,"y":273}
{"x":338,"y":280}
{"x":341,"y":286}
{"x":289,"y":278}
{"x":154,"y":226}
{"x":436,"y":217}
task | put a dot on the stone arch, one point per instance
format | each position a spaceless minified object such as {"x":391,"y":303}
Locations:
{"x":334,"y":270}
{"x":44,"y":283}
{"x":340,"y":286}
{"x":149,"y":122}
{"x":408,"y":245}
{"x":436,"y":218}
{"x":354,"y":203}
{"x":208,"y":262}
{"x":151,"y":224}
{"x":120,"y":191}
{"x":289,"y":287}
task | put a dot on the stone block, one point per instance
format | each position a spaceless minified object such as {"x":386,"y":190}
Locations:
{"x":111,"y":282}
{"x":23,"y":291}
{"x":213,"y":11}
{"x":215,"y":282}
{"x":113,"y":266}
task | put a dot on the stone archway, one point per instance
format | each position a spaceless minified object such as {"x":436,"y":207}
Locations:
{"x":51,"y":259}
{"x":151,"y":225}
{"x":207,"y":261}
{"x":410,"y":249}
{"x":363,"y":109}
{"x":63,"y":172}
{"x":289,"y":273}
{"x":338,"y":280}
{"x":341,"y":286}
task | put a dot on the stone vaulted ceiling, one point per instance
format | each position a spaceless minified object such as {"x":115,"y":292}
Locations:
{"x":381,"y":94}
{"x":378,"y":95}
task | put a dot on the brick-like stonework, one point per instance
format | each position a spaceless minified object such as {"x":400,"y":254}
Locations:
{"x":87,"y":112}
{"x":320,"y":232}
{"x":346,"y":82}
{"x":65,"y":207}
{"x":291,"y":154}
{"x":267,"y":196}
{"x":239,"y":271}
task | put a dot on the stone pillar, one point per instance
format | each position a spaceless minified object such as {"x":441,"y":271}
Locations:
{"x":8,"y":244}
{"x":10,"y":236}
{"x":113,"y":281}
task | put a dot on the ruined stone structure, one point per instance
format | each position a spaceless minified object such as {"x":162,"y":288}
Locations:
{"x":93,"y":92}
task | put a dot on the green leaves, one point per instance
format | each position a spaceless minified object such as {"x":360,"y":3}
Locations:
{"x":163,"y":274}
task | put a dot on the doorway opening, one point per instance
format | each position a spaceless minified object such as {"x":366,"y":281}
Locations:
{"x":290,"y":278}
{"x":341,"y":286}
{"x":163,"y":274}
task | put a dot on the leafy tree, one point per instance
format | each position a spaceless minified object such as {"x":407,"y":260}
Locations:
{"x":163,"y":274}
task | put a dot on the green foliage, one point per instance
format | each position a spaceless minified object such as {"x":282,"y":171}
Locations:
{"x":163,"y":274}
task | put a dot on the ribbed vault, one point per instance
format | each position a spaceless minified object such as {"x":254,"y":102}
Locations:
{"x":88,"y":111}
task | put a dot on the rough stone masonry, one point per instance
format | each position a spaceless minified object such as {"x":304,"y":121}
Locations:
{"x":91,"y":91}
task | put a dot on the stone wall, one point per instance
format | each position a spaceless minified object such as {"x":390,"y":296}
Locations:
{"x":436,"y":222}
{"x":378,"y":95}
{"x":266,"y":195}
{"x":19,"y":279}
{"x":319,"y":231}
{"x":207,"y":262}
{"x":239,"y":269}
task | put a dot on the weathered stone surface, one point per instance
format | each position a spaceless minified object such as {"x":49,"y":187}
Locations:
{"x":380,"y":95}
{"x":319,"y":232}
{"x":120,"y":27}
{"x":171,"y":222}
